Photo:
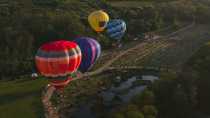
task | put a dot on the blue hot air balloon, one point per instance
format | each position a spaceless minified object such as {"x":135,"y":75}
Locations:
{"x":116,"y":29}
{"x":91,"y":51}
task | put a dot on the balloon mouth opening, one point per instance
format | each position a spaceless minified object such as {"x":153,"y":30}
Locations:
{"x":59,"y":88}
{"x":61,"y":84}
{"x":102,"y":23}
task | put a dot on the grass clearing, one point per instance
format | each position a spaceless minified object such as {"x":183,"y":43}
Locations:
{"x":21,"y":98}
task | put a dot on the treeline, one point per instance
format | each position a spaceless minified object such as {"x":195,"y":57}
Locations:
{"x":155,"y":16}
{"x":185,"y":95}
{"x":142,"y":106}
{"x":145,"y":0}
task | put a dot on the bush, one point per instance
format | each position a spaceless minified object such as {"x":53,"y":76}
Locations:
{"x":134,"y":114}
{"x":145,"y":98}
{"x":117,"y":115}
{"x":149,"y":110}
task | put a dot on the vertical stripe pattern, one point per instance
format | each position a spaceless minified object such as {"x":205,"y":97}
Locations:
{"x":90,"y":49}
{"x":58,"y":59}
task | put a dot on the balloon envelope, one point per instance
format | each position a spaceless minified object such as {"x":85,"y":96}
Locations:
{"x":91,"y":51}
{"x":98,"y":20}
{"x":116,"y":29}
{"x":97,"y":50}
{"x":60,"y":84}
{"x":58,"y":59}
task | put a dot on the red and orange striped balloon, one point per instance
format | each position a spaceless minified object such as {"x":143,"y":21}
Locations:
{"x":58,"y":59}
{"x":60,"y":84}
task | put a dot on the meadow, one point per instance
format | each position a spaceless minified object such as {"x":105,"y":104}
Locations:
{"x":21,"y":98}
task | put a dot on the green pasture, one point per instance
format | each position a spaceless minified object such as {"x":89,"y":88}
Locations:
{"x":21,"y":98}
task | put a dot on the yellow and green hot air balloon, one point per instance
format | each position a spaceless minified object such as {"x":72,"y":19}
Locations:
{"x":98,"y":20}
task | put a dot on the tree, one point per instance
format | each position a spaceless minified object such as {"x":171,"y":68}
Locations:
{"x":198,"y":75}
{"x":163,"y":90}
{"x":149,"y":110}
{"x":117,"y":115}
{"x":202,"y":13}
{"x":203,"y":96}
{"x":181,"y":105}
{"x":134,"y":114}
{"x":132,"y":107}
{"x":150,"y":116}
{"x":145,"y":98}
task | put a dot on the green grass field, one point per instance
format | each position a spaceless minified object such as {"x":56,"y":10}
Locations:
{"x":21,"y":98}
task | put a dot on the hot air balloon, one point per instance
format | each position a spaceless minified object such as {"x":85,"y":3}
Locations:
{"x":98,"y":49}
{"x":98,"y":20}
{"x":116,"y":29}
{"x":59,"y":83}
{"x":57,"y":59}
{"x":91,"y":51}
